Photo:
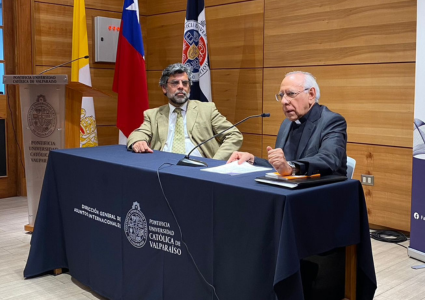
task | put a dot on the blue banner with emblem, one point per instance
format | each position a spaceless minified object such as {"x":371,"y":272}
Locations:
{"x":195,"y":50}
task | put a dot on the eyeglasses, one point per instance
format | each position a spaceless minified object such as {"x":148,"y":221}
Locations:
{"x":175,"y":83}
{"x":289,"y":95}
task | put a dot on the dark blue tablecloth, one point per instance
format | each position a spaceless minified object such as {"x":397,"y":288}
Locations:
{"x":244,"y":236}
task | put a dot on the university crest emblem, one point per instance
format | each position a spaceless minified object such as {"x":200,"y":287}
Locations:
{"x":41,"y":117}
{"x":135,"y":226}
{"x":195,"y":48}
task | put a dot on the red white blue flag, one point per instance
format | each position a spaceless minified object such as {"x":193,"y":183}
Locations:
{"x":195,"y":50}
{"x":130,"y":71}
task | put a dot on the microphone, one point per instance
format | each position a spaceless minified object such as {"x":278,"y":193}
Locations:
{"x":85,"y":57}
{"x":186,"y":161}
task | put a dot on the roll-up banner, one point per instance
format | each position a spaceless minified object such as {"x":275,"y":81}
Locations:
{"x":417,"y":229}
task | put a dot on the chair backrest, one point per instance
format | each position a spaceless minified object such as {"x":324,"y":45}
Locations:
{"x":351,"y":165}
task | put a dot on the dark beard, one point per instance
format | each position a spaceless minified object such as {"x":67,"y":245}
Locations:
{"x":179,"y":101}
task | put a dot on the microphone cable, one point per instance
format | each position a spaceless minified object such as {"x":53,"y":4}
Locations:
{"x":181,"y":233}
{"x":389,"y":236}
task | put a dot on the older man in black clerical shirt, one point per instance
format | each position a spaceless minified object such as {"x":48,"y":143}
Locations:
{"x":312,"y":139}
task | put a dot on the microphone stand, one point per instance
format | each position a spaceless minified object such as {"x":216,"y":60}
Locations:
{"x":86,"y":57}
{"x":189,"y":162}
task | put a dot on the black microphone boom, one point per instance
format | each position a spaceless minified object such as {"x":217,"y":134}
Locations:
{"x":186,"y":161}
{"x":68,"y":62}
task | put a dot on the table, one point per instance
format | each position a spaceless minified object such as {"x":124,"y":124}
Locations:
{"x":245,"y":237}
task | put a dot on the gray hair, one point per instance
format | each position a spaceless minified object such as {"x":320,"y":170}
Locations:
{"x":177,"y":68}
{"x":309,"y":82}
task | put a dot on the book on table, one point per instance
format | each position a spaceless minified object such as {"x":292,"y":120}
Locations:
{"x":302,"y":181}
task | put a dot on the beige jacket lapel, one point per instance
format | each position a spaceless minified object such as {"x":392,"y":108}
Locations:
{"x":191,"y":115}
{"x":163,"y":114}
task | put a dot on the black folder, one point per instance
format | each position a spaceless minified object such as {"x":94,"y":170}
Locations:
{"x":302,"y":182}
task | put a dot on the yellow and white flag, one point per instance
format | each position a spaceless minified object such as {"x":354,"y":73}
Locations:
{"x":80,"y":72}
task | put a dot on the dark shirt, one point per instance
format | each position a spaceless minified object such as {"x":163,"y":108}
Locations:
{"x":294,"y":137}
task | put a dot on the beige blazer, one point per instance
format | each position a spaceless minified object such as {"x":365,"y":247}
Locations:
{"x":203,"y":120}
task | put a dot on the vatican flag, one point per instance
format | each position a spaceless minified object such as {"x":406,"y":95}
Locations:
{"x":80,"y":72}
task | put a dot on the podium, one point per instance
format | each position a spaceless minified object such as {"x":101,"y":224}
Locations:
{"x":51,"y":113}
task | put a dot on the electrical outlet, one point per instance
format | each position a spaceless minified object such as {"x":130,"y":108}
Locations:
{"x":367,"y":179}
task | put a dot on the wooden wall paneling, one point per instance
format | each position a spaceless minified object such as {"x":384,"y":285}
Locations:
{"x":235,"y":35}
{"x":221,"y":2}
{"x":376,"y":100}
{"x":241,"y":47}
{"x":238,"y":94}
{"x":389,"y":200}
{"x":252,"y":143}
{"x":167,"y":6}
{"x":24,"y":36}
{"x":268,"y":140}
{"x":156,"y":97}
{"x":106,"y":107}
{"x":10,"y":185}
{"x":59,"y":2}
{"x":53,"y":34}
{"x":107,"y":135}
{"x":164,"y":40}
{"x":271,"y":86}
{"x":326,"y":32}
{"x":105,"y":5}
{"x":143,"y":7}
{"x":3,"y":107}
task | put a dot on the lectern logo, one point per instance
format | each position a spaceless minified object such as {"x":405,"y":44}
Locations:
{"x":135,"y":226}
{"x":41,"y":117}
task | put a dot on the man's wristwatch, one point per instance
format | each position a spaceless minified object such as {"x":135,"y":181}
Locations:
{"x":293,"y":166}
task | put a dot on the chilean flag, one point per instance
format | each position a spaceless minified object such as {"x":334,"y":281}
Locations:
{"x":130,"y":72}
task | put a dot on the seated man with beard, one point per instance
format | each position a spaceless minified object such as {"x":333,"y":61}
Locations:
{"x":181,"y":124}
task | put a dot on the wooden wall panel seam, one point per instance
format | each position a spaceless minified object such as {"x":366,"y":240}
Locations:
{"x":206,"y":6}
{"x":87,"y":7}
{"x":380,"y":145}
{"x":338,"y":65}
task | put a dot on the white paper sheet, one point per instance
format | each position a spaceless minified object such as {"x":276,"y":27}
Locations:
{"x":235,"y":169}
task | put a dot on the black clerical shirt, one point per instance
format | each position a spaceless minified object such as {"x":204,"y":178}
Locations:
{"x":294,"y":137}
